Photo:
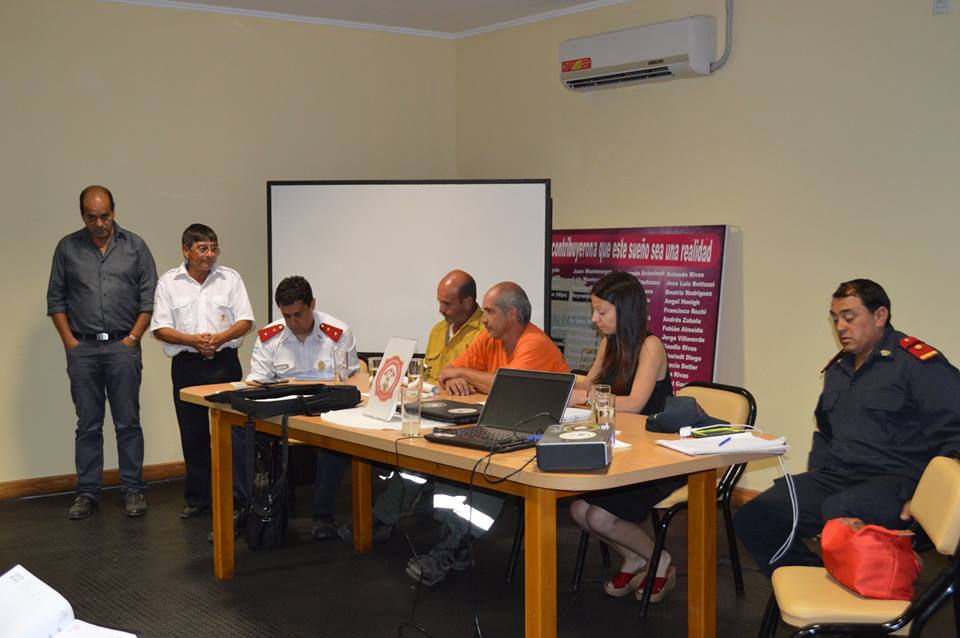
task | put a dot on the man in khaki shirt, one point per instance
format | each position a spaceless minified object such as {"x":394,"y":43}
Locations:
{"x":449,"y":338}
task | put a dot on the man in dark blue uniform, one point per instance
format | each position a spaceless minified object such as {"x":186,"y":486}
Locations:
{"x":889,"y":404}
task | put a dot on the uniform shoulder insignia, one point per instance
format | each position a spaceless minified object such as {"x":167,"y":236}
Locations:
{"x":331,"y":331}
{"x":918,"y":348}
{"x":269,"y":332}
{"x":832,"y":360}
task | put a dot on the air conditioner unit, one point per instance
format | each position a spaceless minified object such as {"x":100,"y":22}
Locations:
{"x":651,"y":53}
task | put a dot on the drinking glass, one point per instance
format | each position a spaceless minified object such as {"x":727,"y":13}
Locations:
{"x":606,"y":410}
{"x":598,"y":390}
{"x":340,"y":370}
{"x":373,"y":364}
{"x":415,"y":374}
{"x":410,"y":410}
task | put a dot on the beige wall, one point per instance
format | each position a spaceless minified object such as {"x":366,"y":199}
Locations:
{"x":185,"y":115}
{"x":830,"y":140}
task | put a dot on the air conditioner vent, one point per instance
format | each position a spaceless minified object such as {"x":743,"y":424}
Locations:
{"x":639,"y":75}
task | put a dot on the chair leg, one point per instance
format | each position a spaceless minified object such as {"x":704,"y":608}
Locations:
{"x":771,"y":618}
{"x":734,"y":551}
{"x":515,"y":550}
{"x":605,"y":554}
{"x":581,"y":559}
{"x":956,"y":606}
{"x":660,"y":539}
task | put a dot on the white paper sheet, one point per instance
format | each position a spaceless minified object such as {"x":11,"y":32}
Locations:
{"x":745,"y":442}
{"x":355,"y":418}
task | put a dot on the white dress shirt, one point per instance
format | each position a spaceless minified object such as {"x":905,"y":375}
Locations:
{"x":187,"y":306}
{"x":280,"y":355}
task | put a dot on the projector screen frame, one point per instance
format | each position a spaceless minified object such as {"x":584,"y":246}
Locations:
{"x":547,"y":226}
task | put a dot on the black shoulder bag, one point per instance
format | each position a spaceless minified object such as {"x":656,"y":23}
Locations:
{"x":268,"y":512}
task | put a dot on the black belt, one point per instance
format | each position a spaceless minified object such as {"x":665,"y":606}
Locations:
{"x":196,"y":355}
{"x":101,"y":336}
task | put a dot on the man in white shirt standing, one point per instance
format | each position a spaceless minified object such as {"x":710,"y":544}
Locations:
{"x":201,"y":312}
{"x":308,"y":344}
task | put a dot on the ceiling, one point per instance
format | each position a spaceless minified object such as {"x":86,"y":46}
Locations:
{"x":438,"y":18}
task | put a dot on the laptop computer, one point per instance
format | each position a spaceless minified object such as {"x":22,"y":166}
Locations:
{"x":520,"y":406}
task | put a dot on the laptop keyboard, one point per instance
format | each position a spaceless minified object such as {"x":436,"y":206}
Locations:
{"x":489,"y":434}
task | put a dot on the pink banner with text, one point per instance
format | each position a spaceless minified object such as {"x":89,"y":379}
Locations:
{"x":680,"y":268}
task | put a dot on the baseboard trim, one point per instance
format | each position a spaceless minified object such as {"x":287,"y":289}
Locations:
{"x":742,"y":495}
{"x":68,"y":482}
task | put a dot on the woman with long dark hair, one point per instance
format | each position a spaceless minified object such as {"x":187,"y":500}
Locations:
{"x":633,"y":363}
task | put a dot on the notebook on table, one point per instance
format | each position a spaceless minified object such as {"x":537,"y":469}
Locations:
{"x":520,"y":406}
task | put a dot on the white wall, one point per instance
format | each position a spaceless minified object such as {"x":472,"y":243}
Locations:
{"x":185,"y":116}
{"x":829,"y":140}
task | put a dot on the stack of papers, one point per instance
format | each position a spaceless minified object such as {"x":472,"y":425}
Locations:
{"x":744,"y":442}
{"x":30,"y":608}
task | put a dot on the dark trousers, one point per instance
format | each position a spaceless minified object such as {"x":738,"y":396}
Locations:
{"x":101,"y":371}
{"x":764,"y":523}
{"x":190,"y":369}
{"x":330,"y":468}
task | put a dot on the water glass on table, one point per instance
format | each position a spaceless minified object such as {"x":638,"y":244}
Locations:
{"x":598,"y":392}
{"x":373,"y":365}
{"x":340,"y":370}
{"x":415,"y":374}
{"x":606,"y":410}
{"x":410,"y":410}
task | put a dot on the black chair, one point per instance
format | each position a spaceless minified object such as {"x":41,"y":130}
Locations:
{"x":518,"y":545}
{"x":733,"y":404}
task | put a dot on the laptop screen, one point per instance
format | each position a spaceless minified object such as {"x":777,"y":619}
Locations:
{"x":520,"y":396}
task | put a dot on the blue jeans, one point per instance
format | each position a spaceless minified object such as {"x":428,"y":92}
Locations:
{"x":103,"y":371}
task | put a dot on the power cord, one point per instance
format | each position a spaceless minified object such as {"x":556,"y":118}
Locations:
{"x":488,"y":457}
{"x":792,"y":490}
{"x":410,"y":622}
{"x":478,"y":631}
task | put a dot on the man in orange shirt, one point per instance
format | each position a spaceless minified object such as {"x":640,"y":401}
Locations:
{"x":509,"y":341}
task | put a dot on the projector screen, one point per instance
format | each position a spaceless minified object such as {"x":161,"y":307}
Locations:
{"x":374,"y":252}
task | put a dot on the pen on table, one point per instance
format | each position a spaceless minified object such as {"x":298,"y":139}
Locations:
{"x":725,"y":441}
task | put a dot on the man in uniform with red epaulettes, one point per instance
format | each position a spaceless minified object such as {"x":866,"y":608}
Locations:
{"x":307,"y":344}
{"x":890,"y":403}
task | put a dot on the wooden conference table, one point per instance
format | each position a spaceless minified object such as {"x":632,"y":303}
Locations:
{"x":643,"y":461}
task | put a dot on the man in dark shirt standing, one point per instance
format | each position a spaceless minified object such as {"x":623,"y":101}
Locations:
{"x":890,"y":403}
{"x":100,"y":298}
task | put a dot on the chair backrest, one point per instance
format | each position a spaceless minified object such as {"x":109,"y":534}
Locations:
{"x":936,"y":503}
{"x":727,"y":402}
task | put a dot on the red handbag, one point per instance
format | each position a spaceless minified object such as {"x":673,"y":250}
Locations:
{"x":873,"y":561}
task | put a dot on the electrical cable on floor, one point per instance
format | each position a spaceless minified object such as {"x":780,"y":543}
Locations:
{"x":409,"y":622}
{"x":478,"y":631}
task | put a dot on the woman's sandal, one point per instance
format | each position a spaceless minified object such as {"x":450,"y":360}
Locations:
{"x":661,"y":585}
{"x":623,"y":583}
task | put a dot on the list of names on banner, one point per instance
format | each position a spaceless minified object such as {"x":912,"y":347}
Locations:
{"x":680,"y":269}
